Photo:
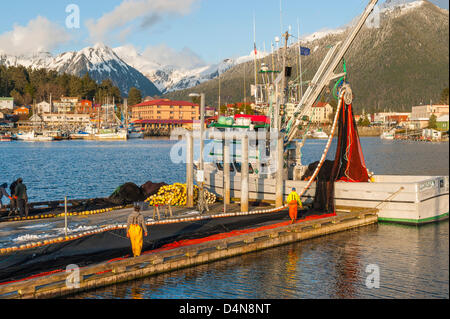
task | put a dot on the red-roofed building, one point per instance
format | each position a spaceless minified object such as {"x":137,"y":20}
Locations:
{"x":84,"y":107}
{"x":165,"y":110}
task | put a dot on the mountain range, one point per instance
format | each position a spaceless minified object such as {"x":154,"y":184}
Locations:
{"x":400,"y":63}
{"x":100,"y":61}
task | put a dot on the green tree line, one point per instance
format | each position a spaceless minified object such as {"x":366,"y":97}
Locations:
{"x":26,"y":85}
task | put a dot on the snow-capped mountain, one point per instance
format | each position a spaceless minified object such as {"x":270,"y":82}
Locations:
{"x":100,"y":61}
{"x":168,"y":78}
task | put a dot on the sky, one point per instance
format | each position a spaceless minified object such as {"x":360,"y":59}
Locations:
{"x":194,"y":31}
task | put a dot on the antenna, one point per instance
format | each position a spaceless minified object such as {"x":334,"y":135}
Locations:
{"x":281,"y":18}
{"x":256,"y":52}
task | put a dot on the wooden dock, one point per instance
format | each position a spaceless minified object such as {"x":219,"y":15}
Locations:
{"x":104,"y":274}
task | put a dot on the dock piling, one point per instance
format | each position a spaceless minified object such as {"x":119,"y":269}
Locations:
{"x":190,"y":170}
{"x":244,"y":175}
{"x":279,"y":174}
{"x":65,"y":216}
{"x":226,"y":172}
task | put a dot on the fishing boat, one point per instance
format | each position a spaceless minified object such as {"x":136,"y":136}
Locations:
{"x":403,"y":199}
{"x":79,"y":135}
{"x":111,"y":134}
{"x":34,"y":136}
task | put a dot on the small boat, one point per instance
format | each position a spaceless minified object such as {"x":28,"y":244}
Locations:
{"x":319,"y":134}
{"x":111,"y":135}
{"x":7,"y":138}
{"x":388,"y":135}
{"x":80,"y":135}
{"x":34,"y":137}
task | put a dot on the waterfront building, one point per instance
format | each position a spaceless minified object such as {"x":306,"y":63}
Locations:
{"x":392,"y":118}
{"x":84,"y":107}
{"x":22,"y":112}
{"x":43,"y":107}
{"x":6,"y":103}
{"x":55,"y":119}
{"x":165,"y":110}
{"x":442,"y":123}
{"x":320,"y":115}
{"x":66,"y":104}
{"x":164,"y":114}
{"x":421,"y":114}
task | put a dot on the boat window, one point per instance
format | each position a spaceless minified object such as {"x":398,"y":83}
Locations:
{"x":219,"y":166}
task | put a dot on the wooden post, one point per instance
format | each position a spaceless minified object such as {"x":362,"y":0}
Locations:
{"x":279,"y":187}
{"x":244,"y":175}
{"x":65,"y":216}
{"x":226,"y":172}
{"x":190,"y":170}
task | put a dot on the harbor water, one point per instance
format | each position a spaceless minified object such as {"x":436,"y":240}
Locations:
{"x":412,"y":262}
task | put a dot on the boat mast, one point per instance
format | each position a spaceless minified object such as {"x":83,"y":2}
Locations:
{"x":256,"y":51}
{"x":300,"y":87}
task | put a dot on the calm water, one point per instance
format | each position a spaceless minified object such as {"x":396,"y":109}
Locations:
{"x":413,"y":262}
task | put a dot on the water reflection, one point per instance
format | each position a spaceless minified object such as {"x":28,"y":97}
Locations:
{"x":413,"y":263}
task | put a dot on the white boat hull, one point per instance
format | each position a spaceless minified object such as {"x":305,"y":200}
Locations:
{"x":123,"y":136}
{"x":423,"y":199}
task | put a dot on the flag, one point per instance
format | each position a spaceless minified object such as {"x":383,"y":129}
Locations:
{"x":305,"y":51}
{"x":256,"y":51}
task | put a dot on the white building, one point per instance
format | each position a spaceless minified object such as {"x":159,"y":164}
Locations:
{"x":421,"y":114}
{"x":320,"y":113}
{"x":59,"y":119}
{"x":6,"y":103}
{"x":43,"y":107}
{"x":66,"y":104}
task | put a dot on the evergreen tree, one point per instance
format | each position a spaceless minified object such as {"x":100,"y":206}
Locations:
{"x":432,"y":123}
{"x":134,"y":96}
{"x":444,"y":96}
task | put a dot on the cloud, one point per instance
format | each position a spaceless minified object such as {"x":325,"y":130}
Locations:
{"x":39,"y":35}
{"x":149,"y":12}
{"x":164,"y":55}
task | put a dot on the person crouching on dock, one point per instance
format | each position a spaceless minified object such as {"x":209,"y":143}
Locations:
{"x":294,"y":203}
{"x":135,"y":227}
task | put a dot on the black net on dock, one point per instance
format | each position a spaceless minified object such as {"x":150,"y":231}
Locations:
{"x":113,"y":244}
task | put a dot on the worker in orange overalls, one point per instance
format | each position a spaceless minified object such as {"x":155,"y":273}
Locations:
{"x":135,"y":227}
{"x":294,"y":203}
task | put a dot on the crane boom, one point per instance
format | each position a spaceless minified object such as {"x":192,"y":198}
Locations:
{"x":324,"y":75}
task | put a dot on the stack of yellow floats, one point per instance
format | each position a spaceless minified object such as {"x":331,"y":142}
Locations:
{"x":175,"y":195}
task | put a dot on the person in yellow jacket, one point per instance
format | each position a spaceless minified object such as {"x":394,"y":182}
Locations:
{"x":294,"y":203}
{"x":135,"y":227}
